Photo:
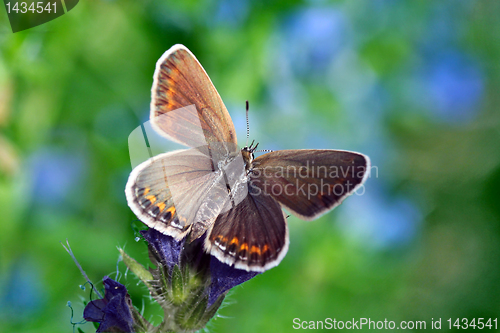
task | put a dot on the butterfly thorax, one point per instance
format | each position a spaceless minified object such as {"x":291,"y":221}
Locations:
{"x":247,"y":153}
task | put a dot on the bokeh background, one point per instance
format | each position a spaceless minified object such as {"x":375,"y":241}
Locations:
{"x":413,"y":84}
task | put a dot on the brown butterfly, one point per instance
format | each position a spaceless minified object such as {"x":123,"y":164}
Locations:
{"x":223,"y":192}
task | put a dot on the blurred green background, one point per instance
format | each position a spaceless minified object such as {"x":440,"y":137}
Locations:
{"x":414,"y":85}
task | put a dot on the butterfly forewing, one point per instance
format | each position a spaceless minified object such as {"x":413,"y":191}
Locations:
{"x":309,"y":182}
{"x":185,"y":106}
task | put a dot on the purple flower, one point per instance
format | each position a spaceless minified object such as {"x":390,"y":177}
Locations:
{"x":113,"y":311}
{"x":188,"y":283}
{"x":172,"y":253}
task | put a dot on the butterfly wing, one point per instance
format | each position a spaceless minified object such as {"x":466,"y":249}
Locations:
{"x":310,"y":182}
{"x":253,"y":235}
{"x":172,"y":191}
{"x":185,"y":106}
{"x":184,"y":190}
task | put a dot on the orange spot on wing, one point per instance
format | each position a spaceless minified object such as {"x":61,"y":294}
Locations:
{"x":265,"y":248}
{"x":171,"y":210}
{"x":161,"y":205}
{"x":221,"y":239}
{"x":234,"y":241}
{"x":255,"y":249}
{"x":146,"y":190}
{"x":151,"y":198}
{"x":244,"y":247}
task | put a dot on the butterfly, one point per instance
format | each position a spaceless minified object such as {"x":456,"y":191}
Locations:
{"x":214,"y":189}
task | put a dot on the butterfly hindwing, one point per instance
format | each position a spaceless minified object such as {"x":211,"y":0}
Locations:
{"x":253,"y":235}
{"x":171,"y":191}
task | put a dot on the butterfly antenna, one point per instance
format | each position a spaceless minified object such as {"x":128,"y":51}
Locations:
{"x":248,"y":126}
{"x":264,"y":151}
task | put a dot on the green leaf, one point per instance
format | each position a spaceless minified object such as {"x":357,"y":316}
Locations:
{"x":142,"y":273}
{"x":178,"y":294}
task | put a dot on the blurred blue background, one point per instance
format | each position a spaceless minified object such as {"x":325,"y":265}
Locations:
{"x":414,"y":85}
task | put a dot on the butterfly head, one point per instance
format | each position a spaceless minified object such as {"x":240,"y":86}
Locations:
{"x":248,"y":155}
